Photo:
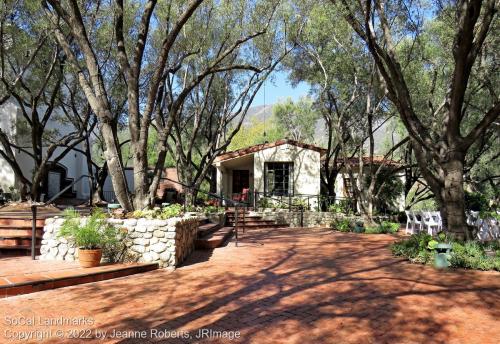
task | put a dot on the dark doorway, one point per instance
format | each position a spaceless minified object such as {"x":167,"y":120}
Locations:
{"x":241,"y":180}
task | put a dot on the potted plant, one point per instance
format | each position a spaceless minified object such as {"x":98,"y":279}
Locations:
{"x":90,"y":235}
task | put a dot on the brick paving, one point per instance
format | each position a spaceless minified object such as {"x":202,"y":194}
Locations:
{"x":280,"y":286}
{"x":21,"y":275}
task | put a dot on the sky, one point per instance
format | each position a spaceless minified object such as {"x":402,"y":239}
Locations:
{"x":279,"y":88}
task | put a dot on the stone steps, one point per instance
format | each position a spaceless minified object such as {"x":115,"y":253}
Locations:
{"x":17,"y":241}
{"x":16,"y":234}
{"x":251,"y":221}
{"x":214,"y":239}
{"x":269,"y":225}
{"x":9,"y":251}
{"x":207,"y":228}
{"x":19,"y":233}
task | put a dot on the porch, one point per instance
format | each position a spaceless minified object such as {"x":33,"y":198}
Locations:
{"x":283,"y":173}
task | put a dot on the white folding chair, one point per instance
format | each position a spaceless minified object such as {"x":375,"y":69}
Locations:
{"x":439,"y":220}
{"x":430,"y":222}
{"x":417,"y":220}
{"x":409,"y":222}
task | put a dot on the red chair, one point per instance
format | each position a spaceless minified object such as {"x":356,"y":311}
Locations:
{"x":241,"y":197}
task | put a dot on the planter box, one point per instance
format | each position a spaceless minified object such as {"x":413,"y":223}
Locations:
{"x":166,"y":242}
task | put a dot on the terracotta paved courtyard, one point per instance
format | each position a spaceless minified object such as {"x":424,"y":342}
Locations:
{"x":284,"y":286}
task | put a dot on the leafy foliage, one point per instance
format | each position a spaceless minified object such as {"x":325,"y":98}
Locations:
{"x":297,"y":119}
{"x":390,"y":189}
{"x":385,"y":227}
{"x":343,"y":225}
{"x":89,"y":233}
{"x":476,"y":201}
{"x":158,"y":213}
{"x":210,"y":209}
{"x":253,"y":134}
{"x":421,"y":248}
{"x":342,"y":207}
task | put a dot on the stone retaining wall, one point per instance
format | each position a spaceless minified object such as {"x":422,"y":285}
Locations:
{"x":310,"y":218}
{"x":166,"y":242}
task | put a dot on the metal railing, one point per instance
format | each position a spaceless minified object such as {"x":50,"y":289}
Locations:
{"x":223,"y":201}
{"x":307,"y":201}
{"x":56,"y":196}
{"x":109,"y":196}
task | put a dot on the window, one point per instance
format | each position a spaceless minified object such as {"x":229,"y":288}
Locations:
{"x":348,"y":190}
{"x":278,"y":178}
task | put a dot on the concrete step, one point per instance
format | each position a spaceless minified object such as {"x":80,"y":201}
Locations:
{"x":19,"y":236}
{"x":29,"y":283}
{"x":246,"y":217}
{"x":17,"y":241}
{"x":13,"y":232}
{"x":20,"y":223}
{"x":18,"y":247}
{"x":215,"y":239}
{"x":269,"y":225}
{"x":17,"y":251}
{"x":251,"y":222}
{"x":207,"y":229}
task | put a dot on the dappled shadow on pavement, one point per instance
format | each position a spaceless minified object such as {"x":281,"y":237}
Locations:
{"x":290,"y":286}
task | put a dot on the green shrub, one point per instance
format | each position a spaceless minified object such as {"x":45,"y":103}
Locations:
{"x":389,"y":227}
{"x":489,"y":215}
{"x":264,"y":202}
{"x":172,"y":210}
{"x":413,"y":247}
{"x":373,"y":230}
{"x":299,"y":202}
{"x":343,"y":225}
{"x":476,"y":201}
{"x":91,"y":233}
{"x":164,"y":213}
{"x":335,"y":208}
{"x":341,"y":207}
{"x":384,"y":228}
{"x":432,"y":244}
{"x":210,"y":209}
{"x":421,"y":248}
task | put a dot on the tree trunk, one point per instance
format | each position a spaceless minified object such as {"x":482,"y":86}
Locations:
{"x":141,"y":183}
{"x":100,"y":179}
{"x":115,"y":167}
{"x":189,"y":197}
{"x":155,"y":183}
{"x":39,"y":177}
{"x":454,"y":200}
{"x":367,"y":211}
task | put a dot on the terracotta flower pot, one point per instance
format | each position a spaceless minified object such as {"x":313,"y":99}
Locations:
{"x":89,"y":258}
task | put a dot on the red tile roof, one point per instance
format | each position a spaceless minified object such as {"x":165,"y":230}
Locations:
{"x":262,"y":146}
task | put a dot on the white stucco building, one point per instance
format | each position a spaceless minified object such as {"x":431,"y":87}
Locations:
{"x":284,"y":168}
{"x":285,"y":171}
{"x":69,"y":168}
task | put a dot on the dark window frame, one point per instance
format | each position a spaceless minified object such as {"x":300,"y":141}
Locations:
{"x":291,"y":185}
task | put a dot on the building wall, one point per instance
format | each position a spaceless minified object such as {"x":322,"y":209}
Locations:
{"x":108,"y":190}
{"x":74,"y":162}
{"x":8,"y":114}
{"x":306,"y":169}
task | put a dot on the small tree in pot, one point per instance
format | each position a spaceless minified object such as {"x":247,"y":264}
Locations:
{"x":91,"y":235}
